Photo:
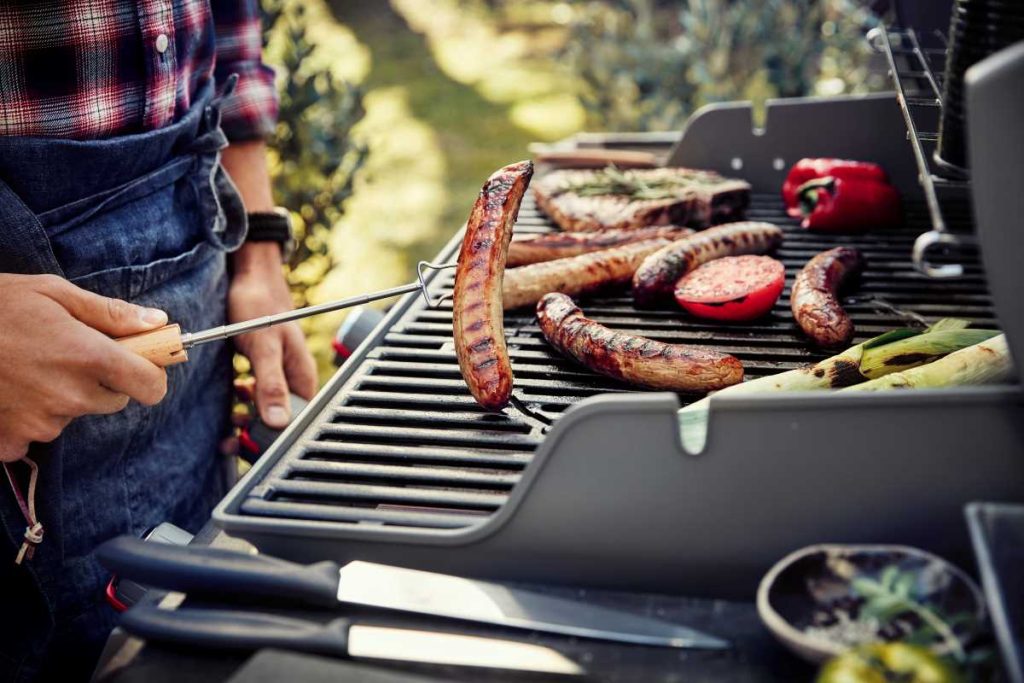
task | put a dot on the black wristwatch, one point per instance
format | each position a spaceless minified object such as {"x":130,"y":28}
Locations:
{"x":272,"y":226}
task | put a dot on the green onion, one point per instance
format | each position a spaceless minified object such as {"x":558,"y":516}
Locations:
{"x":892,"y":352}
{"x":907,"y":353}
{"x":987,"y":362}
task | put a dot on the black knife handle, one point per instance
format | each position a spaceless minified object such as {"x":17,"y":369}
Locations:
{"x":236,"y":630}
{"x":219,"y":572}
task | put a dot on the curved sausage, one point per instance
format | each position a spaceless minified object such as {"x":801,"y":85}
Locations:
{"x":540,"y":248}
{"x":629,"y":358}
{"x":576,"y":274}
{"x":478,"y":320}
{"x":815,"y":306}
{"x":657,"y":276}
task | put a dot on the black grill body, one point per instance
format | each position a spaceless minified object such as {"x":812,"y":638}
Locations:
{"x":394,"y":462}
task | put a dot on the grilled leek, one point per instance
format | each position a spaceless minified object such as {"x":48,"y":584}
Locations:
{"x":987,"y":362}
{"x":895,"y":351}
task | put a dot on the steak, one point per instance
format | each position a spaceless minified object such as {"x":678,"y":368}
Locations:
{"x":584,"y":200}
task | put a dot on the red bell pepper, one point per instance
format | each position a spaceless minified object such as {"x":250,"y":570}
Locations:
{"x":832,"y":204}
{"x":809,"y":169}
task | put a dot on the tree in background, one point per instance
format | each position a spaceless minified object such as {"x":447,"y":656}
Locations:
{"x":314,"y":157}
{"x":647,"y":64}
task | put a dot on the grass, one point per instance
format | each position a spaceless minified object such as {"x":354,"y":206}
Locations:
{"x":449,"y":98}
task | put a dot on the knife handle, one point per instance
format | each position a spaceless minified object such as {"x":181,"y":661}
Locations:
{"x":219,"y":572}
{"x":236,"y":630}
{"x":161,"y":346}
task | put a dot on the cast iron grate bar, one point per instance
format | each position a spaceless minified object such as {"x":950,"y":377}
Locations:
{"x":402,"y":443}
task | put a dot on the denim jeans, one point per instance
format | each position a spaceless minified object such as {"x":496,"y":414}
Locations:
{"x":147,"y":218}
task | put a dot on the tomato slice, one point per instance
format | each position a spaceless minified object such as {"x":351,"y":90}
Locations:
{"x":732,"y":288}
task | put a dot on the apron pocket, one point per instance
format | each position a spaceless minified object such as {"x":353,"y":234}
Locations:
{"x":66,"y":217}
{"x":130,"y":282}
{"x":125,"y":241}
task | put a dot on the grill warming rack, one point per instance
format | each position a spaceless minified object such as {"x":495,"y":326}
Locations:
{"x":917,"y":74}
{"x":394,"y":462}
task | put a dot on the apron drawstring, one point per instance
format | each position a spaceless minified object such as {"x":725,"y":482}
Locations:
{"x":34,"y":530}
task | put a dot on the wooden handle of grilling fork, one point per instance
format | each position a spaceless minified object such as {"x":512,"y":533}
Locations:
{"x":161,"y":346}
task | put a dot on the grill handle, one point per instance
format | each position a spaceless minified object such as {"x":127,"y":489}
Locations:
{"x":217,"y":572}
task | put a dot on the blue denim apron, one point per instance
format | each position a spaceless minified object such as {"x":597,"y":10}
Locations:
{"x":147,"y":218}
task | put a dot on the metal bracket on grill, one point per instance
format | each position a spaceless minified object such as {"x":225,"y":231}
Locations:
{"x":425,"y":265}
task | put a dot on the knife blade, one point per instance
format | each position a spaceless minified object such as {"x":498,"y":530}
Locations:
{"x":243,"y":630}
{"x":214,"y":571}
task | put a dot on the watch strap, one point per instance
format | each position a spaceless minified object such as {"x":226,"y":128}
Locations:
{"x":269,"y":226}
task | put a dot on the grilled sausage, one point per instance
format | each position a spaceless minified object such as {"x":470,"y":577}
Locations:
{"x":815,"y":306}
{"x":478,"y":321}
{"x":657,"y":276}
{"x":576,"y":274}
{"x":629,"y":358}
{"x":540,"y":248}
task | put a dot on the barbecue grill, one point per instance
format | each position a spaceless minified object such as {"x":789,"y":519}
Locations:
{"x":585,"y":481}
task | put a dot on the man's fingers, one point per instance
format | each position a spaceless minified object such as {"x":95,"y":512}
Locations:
{"x":102,"y":401}
{"x":12,"y":448}
{"x":299,"y":366}
{"x":113,"y":317}
{"x":265,"y":354}
{"x":123,"y":372}
{"x":46,"y":429}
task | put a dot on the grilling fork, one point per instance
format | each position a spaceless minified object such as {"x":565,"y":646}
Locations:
{"x":168,"y":345}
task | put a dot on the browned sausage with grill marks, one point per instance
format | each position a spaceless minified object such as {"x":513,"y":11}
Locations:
{"x":814,"y":302}
{"x":576,"y":274}
{"x":539,"y":248}
{"x":657,"y":276}
{"x":629,"y":358}
{"x":478,"y":320}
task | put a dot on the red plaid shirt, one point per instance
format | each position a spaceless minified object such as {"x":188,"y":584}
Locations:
{"x":87,"y":69}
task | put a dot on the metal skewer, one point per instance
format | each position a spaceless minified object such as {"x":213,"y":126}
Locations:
{"x":188,"y":340}
{"x":167,"y":345}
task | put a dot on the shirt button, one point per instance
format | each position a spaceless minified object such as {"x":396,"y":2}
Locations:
{"x":161,"y":43}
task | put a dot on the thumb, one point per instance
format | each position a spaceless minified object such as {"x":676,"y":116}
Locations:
{"x":113,"y":317}
{"x":271,"y":385}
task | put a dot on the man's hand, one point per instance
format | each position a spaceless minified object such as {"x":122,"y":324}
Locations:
{"x":59,"y":361}
{"x":279,"y":357}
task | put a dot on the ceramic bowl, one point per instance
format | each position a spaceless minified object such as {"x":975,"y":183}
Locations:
{"x":812,"y":589}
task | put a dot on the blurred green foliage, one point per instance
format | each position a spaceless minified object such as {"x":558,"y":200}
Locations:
{"x":646,"y":65}
{"x":314,"y":157}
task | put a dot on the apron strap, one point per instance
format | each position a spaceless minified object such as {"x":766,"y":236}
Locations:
{"x":34,"y":530}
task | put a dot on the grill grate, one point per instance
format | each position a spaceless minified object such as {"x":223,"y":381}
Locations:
{"x":403,"y":444}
